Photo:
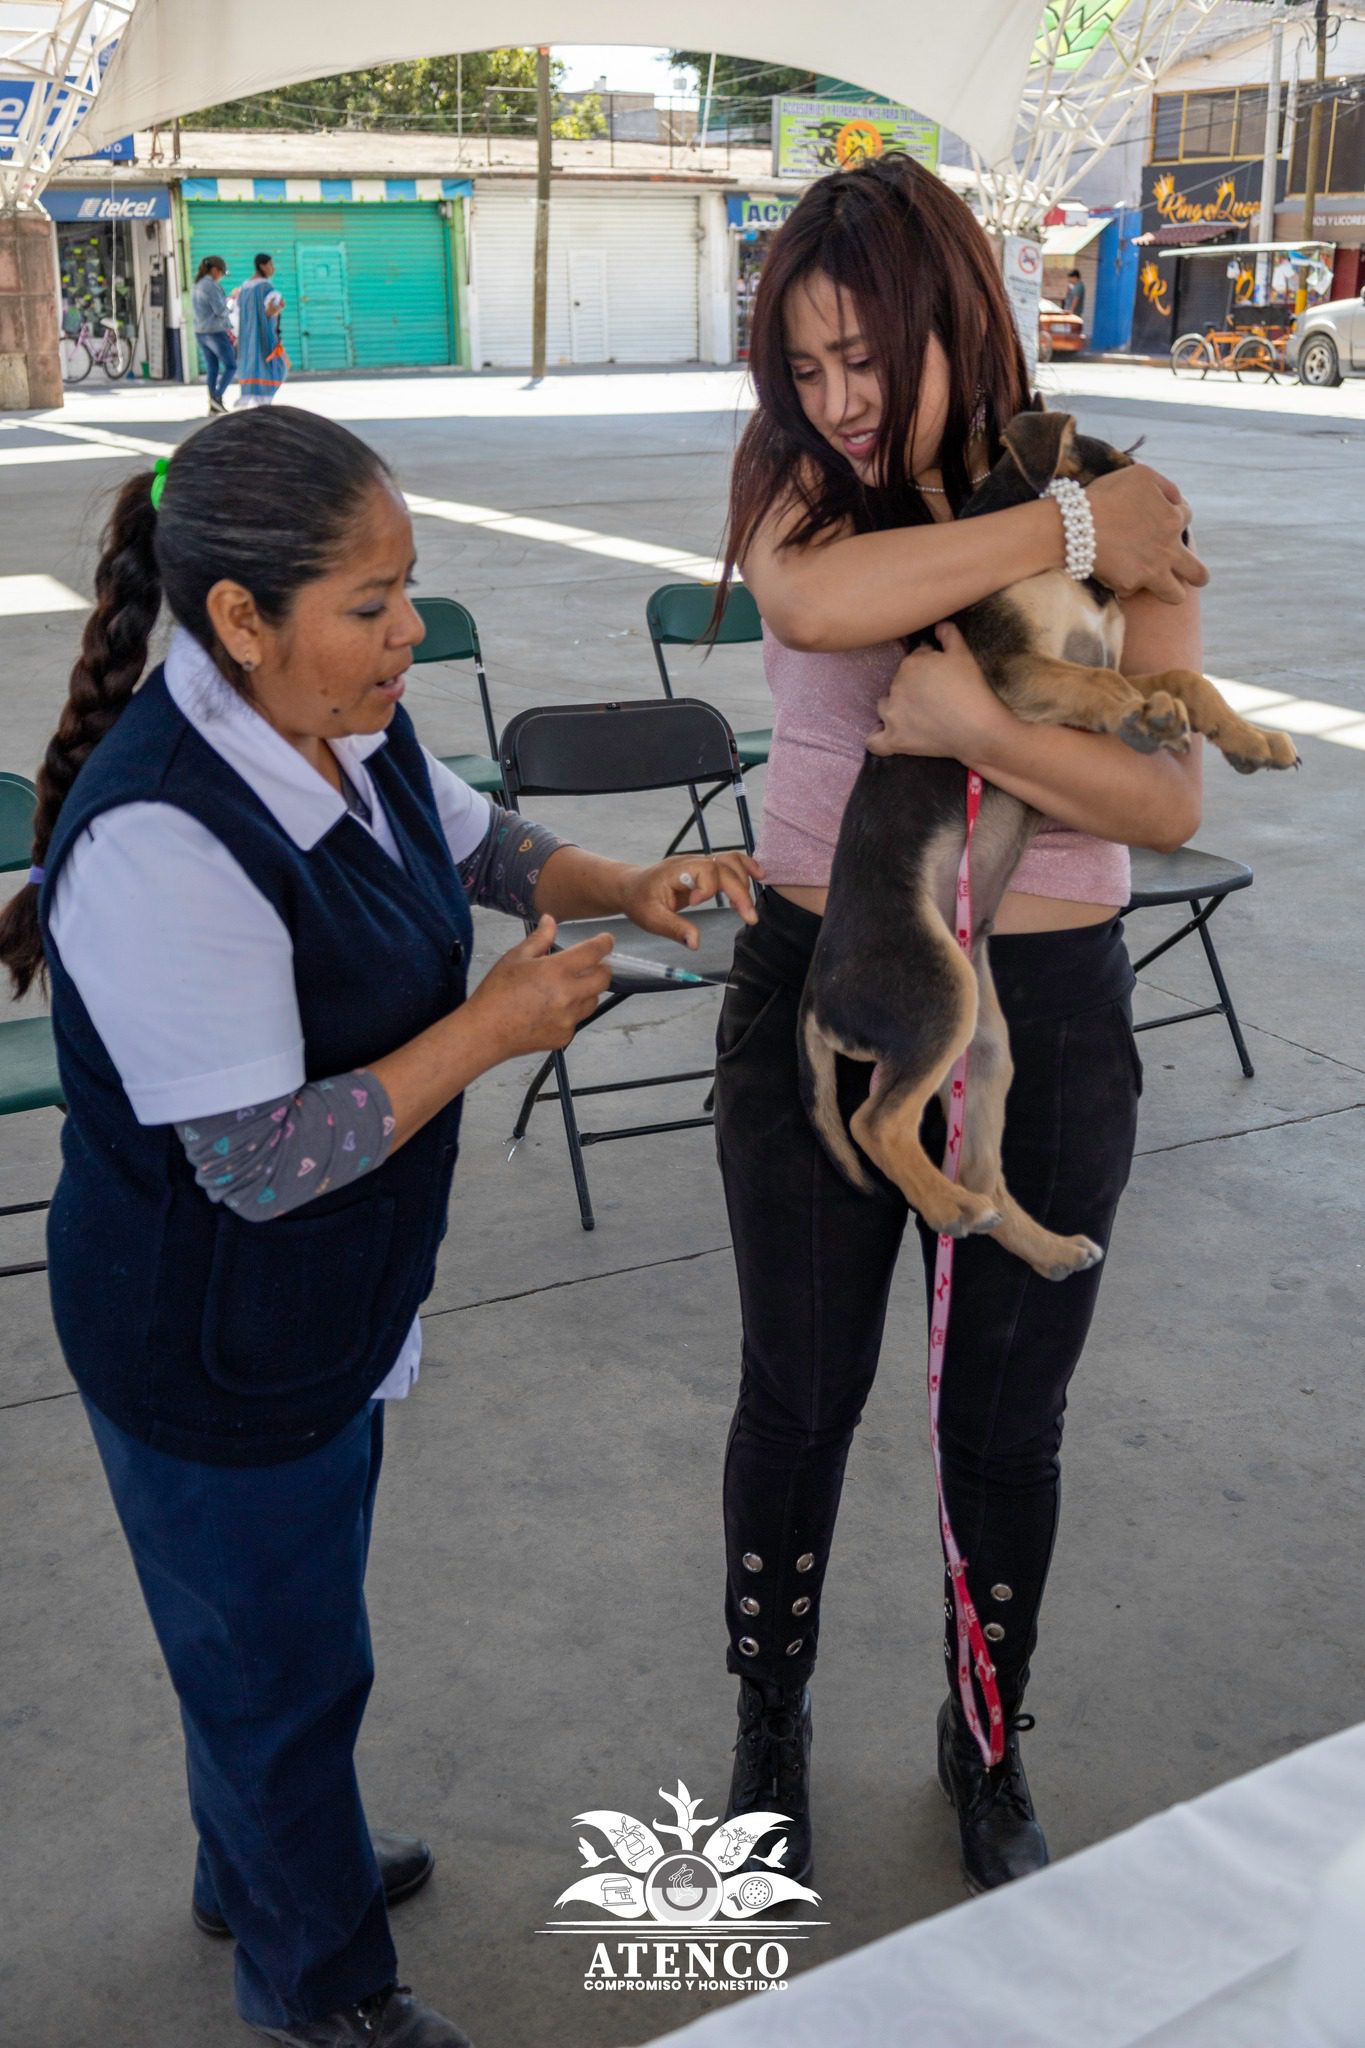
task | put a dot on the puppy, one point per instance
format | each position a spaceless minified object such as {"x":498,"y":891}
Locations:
{"x":888,"y":982}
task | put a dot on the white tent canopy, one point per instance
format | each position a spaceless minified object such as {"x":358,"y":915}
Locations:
{"x":962,"y":66}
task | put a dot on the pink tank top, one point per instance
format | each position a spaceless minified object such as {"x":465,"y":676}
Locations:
{"x":826,"y":705}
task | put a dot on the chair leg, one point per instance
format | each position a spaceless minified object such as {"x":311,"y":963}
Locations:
{"x":580,"y":1177}
{"x":1224,"y":996}
{"x":528,"y":1100}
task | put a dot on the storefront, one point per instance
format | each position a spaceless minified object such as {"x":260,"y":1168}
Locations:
{"x":1183,"y":206}
{"x":753,"y":219}
{"x":370,"y":269}
{"x":114,"y":263}
{"x":624,"y":273}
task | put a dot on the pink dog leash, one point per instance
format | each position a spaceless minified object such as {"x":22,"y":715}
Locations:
{"x":972,"y":1653}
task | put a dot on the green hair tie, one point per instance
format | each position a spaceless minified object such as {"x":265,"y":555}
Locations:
{"x":161,"y":469}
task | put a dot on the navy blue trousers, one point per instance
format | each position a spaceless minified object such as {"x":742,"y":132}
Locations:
{"x":254,"y":1580}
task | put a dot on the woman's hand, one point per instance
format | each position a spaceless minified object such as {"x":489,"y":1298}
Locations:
{"x":652,"y":897}
{"x":939,"y":704}
{"x":1139,"y":519}
{"x":532,"y":1000}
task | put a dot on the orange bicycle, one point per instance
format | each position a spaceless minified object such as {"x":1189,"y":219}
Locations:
{"x":1259,"y":353}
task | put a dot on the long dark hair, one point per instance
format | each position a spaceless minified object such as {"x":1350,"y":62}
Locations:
{"x":264,"y":498}
{"x":914,"y":261}
{"x":210,"y":263}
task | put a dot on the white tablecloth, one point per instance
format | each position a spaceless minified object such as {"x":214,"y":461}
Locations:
{"x":1179,"y":1933}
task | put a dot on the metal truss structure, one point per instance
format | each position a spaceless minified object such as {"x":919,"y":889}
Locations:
{"x":1094,"y":65}
{"x":53,"y":55}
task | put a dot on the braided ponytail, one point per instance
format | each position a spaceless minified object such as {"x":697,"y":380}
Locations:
{"x":106,"y":672}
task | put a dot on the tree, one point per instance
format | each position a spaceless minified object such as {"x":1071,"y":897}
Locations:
{"x":582,"y":118}
{"x":424,"y":93}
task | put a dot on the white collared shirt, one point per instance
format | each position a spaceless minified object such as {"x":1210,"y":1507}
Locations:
{"x":185,"y":968}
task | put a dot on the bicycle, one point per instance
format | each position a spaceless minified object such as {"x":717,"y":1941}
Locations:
{"x":80,"y":352}
{"x":1258,"y":354}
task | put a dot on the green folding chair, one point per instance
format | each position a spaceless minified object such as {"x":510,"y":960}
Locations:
{"x":451,"y":635}
{"x":679,"y":615}
{"x":28,"y":1057}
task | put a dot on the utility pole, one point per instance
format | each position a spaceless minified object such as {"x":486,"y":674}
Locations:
{"x":1265,"y":227}
{"x":1312,"y":172}
{"x":706,"y":104}
{"x":540,"y":286}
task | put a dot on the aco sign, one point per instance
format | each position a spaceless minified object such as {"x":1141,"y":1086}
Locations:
{"x":811,"y":137}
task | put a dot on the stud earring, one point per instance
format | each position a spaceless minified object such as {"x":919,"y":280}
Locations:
{"x":247,"y":663}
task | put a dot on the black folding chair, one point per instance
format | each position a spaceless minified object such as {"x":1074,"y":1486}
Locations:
{"x":451,"y":635}
{"x":679,"y":615}
{"x":614,"y":750}
{"x":1203,"y":880}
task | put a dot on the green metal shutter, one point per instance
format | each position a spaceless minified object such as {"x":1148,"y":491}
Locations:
{"x":397,"y":269}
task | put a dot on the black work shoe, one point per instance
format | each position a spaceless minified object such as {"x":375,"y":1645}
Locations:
{"x":1001,"y":1839}
{"x":405,"y":1863}
{"x":772,"y":1770}
{"x":391,"y":2019}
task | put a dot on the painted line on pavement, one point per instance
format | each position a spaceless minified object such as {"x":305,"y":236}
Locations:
{"x":23,"y":595}
{"x":553,"y":533}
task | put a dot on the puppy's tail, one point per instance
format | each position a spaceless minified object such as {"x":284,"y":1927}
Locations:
{"x":821,"y":1097}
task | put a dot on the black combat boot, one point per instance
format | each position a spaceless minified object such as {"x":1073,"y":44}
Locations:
{"x":1001,"y":1839}
{"x":772,"y":1769}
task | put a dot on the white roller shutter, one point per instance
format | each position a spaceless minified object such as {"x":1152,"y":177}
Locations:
{"x":635,"y":253}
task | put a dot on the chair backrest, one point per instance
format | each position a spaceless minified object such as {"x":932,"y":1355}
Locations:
{"x":680,"y":613}
{"x":17,"y":799}
{"x":451,"y":633}
{"x":613,"y":749}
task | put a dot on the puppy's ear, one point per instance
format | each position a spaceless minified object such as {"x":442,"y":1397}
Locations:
{"x":1040,"y":443}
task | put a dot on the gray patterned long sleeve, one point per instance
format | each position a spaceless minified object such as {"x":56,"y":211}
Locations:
{"x":264,"y":1161}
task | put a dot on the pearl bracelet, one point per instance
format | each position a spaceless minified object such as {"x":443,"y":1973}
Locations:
{"x":1078,"y":524}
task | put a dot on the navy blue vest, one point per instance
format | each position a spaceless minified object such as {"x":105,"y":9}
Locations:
{"x":249,"y":1343}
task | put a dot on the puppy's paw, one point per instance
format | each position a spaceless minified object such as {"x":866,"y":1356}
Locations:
{"x":962,"y":1214}
{"x":1247,"y":748}
{"x":1160,"y":721}
{"x":1079,"y":1255}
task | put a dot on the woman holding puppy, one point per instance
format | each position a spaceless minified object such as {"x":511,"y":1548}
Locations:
{"x":887,"y":364}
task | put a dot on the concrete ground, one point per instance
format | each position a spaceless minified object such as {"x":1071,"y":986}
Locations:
{"x":547,"y":1572}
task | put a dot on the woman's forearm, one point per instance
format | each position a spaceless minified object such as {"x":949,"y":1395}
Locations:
{"x":1096,"y":783}
{"x":574,"y":883}
{"x":421,"y":1077}
{"x":871,"y":587}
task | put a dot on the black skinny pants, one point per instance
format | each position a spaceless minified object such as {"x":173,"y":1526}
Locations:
{"x":815,"y":1260}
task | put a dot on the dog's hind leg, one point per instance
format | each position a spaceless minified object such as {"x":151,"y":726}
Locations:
{"x":887,"y":1125}
{"x":990,"y":1070}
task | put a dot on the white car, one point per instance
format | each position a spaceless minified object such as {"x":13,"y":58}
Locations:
{"x":1328,"y":342}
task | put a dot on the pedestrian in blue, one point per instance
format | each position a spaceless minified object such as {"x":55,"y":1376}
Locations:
{"x":264,"y":364}
{"x":213,"y":329}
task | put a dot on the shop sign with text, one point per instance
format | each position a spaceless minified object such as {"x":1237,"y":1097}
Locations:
{"x":811,"y":137}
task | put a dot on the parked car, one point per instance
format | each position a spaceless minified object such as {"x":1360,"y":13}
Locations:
{"x":1059,"y":333}
{"x":1328,"y":342}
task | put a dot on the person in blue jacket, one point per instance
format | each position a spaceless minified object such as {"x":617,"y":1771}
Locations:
{"x":250,"y":895}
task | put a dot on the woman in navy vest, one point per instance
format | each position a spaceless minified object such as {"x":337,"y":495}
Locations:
{"x":250,"y":894}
